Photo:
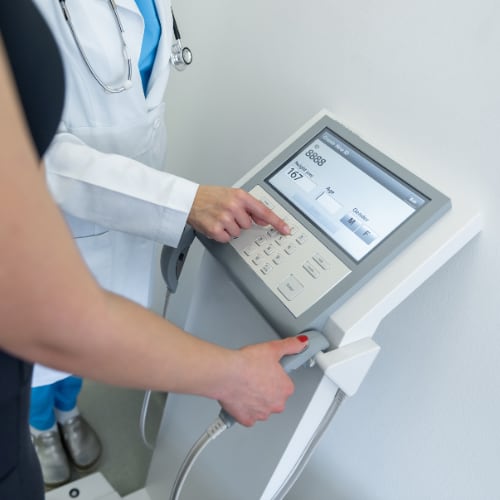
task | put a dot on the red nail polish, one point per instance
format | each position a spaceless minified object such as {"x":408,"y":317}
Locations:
{"x":303,"y":338}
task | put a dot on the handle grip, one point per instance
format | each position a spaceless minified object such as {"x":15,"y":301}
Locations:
{"x":316,"y":342}
{"x":172,"y":259}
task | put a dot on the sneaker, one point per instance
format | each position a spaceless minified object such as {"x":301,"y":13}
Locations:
{"x":81,"y":442}
{"x":53,"y":460}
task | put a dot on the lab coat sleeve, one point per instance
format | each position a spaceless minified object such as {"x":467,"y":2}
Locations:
{"x":117,"y":192}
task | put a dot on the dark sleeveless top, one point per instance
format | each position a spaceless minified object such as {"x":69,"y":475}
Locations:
{"x":37,"y":70}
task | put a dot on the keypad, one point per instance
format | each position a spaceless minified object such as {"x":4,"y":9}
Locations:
{"x":298,"y":268}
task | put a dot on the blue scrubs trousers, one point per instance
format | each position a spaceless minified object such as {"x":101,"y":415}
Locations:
{"x":62,"y":395}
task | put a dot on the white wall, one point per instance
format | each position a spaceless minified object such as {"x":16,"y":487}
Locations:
{"x":421,"y":81}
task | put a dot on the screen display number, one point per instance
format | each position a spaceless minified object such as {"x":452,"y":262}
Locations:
{"x":315,"y":157}
{"x":300,"y":178}
{"x":294,"y":174}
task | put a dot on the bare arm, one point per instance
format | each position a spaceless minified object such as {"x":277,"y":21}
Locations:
{"x":221,"y":213}
{"x":53,"y":312}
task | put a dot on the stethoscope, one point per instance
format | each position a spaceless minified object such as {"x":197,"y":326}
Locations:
{"x":180,"y":57}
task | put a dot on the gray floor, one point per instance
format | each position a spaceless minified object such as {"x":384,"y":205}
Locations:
{"x":114,"y":413}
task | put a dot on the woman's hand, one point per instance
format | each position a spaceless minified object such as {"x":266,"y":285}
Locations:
{"x":259,"y":386}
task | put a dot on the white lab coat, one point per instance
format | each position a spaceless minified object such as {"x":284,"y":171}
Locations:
{"x":104,"y":167}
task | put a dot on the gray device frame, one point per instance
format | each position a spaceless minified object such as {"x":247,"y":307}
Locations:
{"x":257,"y":292}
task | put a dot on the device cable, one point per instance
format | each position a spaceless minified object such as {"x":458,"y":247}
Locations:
{"x":225,"y":421}
{"x":217,"y":427}
{"x":299,"y":466}
{"x":147,"y":394}
{"x":172,"y":261}
{"x":143,"y":418}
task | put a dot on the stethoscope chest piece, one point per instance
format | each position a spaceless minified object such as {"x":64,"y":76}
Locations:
{"x":181,"y":57}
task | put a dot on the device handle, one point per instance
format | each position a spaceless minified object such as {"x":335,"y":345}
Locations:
{"x":172,"y":259}
{"x":316,"y":342}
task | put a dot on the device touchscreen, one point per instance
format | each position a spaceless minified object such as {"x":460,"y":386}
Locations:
{"x":346,"y":194}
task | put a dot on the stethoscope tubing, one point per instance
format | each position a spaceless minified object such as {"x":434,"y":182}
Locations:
{"x":181,"y":57}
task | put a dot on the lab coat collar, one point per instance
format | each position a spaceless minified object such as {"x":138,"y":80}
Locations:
{"x":127,"y":4}
{"x":161,"y":67}
{"x":132,"y":5}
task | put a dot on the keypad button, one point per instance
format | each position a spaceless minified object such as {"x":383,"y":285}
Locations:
{"x":269,"y":250}
{"x":291,"y":287}
{"x":321,"y":261}
{"x":266,"y":268}
{"x":249,"y":250}
{"x":257,"y":260}
{"x":278,"y":259}
{"x":281,"y":240}
{"x":301,"y":238}
{"x":290,"y":249}
{"x":311,"y":269}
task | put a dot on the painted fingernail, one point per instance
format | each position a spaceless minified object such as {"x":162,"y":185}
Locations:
{"x":303,"y":338}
